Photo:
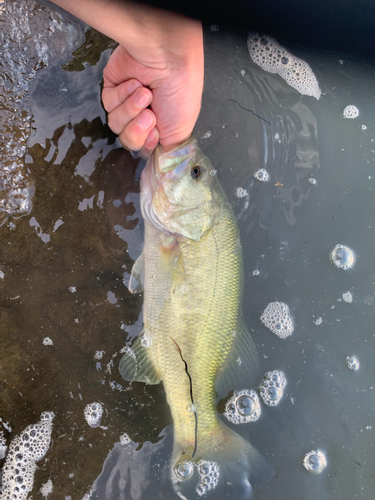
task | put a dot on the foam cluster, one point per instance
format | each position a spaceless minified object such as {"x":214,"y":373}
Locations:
{"x":277,"y":318}
{"x":241,"y":192}
{"x":3,"y":445}
{"x":125,"y":439}
{"x":24,"y":452}
{"x":208,"y":476}
{"x":46,"y":488}
{"x":93,"y":414}
{"x":267,"y":53}
{"x":271,"y":389}
{"x":350,"y":112}
{"x":146,"y":340}
{"x":243,"y":407}
{"x":262,"y":175}
{"x":352,"y":362}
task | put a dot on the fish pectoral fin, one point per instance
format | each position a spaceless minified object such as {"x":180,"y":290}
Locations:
{"x":241,"y":364}
{"x":137,"y":275}
{"x":136,"y":365}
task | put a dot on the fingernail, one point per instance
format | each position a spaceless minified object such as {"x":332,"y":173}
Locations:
{"x":142,"y":98}
{"x":145,"y":120}
{"x":152,"y":137}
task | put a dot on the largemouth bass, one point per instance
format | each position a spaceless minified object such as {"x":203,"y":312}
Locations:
{"x":191,"y":271}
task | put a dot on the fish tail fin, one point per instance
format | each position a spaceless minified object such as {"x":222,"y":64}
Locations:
{"x":226,"y":463}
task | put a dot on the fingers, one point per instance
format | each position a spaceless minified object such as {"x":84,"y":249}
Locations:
{"x":113,"y":96}
{"x":128,"y":116}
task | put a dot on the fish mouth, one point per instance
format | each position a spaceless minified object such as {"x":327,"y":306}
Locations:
{"x":149,"y":186}
{"x":161,"y":164}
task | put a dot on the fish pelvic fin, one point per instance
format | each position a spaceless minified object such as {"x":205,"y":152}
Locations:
{"x":226,"y":465}
{"x":241,"y":364}
{"x":136,"y":365}
{"x":137,"y":277}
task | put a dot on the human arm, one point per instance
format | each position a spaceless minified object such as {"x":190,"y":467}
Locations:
{"x":160,"y":57}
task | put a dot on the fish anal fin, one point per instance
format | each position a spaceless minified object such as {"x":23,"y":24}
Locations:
{"x":137,"y":275}
{"x":136,"y":365}
{"x":241,"y":365}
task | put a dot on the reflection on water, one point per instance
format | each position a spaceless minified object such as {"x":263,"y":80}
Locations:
{"x":63,"y":266}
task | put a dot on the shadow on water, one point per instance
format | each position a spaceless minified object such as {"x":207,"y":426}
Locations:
{"x":65,"y":261}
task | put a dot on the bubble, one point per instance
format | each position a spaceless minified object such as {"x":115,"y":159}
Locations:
{"x":23,"y":453}
{"x":146,"y":340}
{"x":241,"y":192}
{"x":267,"y":53}
{"x":262,"y":175}
{"x":72,"y":289}
{"x":93,"y":413}
{"x":47,"y":341}
{"x":213,"y":172}
{"x":214,"y":27}
{"x":350,"y":112}
{"x":352,"y":362}
{"x":315,"y":462}
{"x":277,"y":318}
{"x":99,"y":355}
{"x":46,"y":488}
{"x":347,"y":297}
{"x":343,"y":257}
{"x":318,"y":321}
{"x":125,"y":439}
{"x":271,"y":388}
{"x":256,"y":272}
{"x":184,"y":470}
{"x":208,"y":475}
{"x":243,"y":407}
{"x":363,"y":127}
{"x":312,"y":181}
{"x":243,"y":72}
{"x":191,"y":408}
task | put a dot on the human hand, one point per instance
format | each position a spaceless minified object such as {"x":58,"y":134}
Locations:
{"x":152,"y":91}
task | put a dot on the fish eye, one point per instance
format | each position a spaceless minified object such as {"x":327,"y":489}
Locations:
{"x":196,"y":172}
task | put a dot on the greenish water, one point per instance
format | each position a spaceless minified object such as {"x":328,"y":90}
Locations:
{"x":84,"y":231}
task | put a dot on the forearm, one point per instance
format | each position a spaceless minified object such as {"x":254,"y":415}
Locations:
{"x":160,"y":36}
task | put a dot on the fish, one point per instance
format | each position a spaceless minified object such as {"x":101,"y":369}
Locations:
{"x":191,"y":273}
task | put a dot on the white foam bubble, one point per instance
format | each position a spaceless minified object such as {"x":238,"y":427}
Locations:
{"x":271,"y":388}
{"x":277,"y":318}
{"x":3,"y":445}
{"x":267,"y":53}
{"x":262,"y":175}
{"x":46,"y":488}
{"x":125,"y":439}
{"x":99,"y":354}
{"x":241,"y":192}
{"x":243,"y":407}
{"x":350,"y":112}
{"x":352,"y":362}
{"x":24,"y":452}
{"x":208,"y":476}
{"x":72,"y":289}
{"x":47,"y":341}
{"x":93,"y":414}
{"x":347,"y":297}
{"x":343,"y":257}
{"x":146,"y":340}
{"x":315,"y":461}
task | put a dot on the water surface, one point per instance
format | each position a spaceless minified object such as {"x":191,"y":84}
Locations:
{"x":67,"y":250}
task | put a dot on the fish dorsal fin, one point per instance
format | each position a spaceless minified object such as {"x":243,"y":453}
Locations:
{"x":136,"y":365}
{"x":238,"y":370}
{"x":137,"y":275}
